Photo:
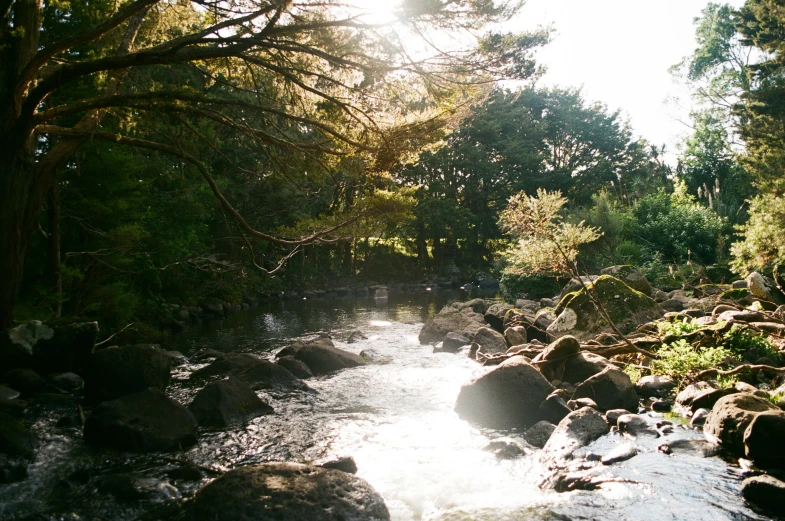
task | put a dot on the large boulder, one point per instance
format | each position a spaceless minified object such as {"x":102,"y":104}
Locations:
{"x":495,"y":313}
{"x":254,"y":371}
{"x":631,"y":276}
{"x":118,"y":371}
{"x":143,"y":422}
{"x":322,"y":357}
{"x":294,"y":366}
{"x":489,"y":341}
{"x":507,"y":396}
{"x":48,"y":349}
{"x":730,"y":417}
{"x":453,"y":342}
{"x":583,"y":366}
{"x":515,"y":335}
{"x":287,"y":492}
{"x":26,"y":381}
{"x":626,"y":307}
{"x":610,"y":389}
{"x":764,"y":288}
{"x":655,"y":385}
{"x":451,"y":319}
{"x":15,"y":440}
{"x":766,"y":493}
{"x":763,"y":439}
{"x":227,"y":402}
{"x":577,"y":430}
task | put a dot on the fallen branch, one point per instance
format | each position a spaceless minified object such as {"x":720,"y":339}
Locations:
{"x":710,"y":373}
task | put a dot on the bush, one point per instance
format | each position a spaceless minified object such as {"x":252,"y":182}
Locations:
{"x":762,"y":241}
{"x":680,"y":360}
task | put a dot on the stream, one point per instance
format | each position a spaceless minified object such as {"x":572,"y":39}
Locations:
{"x":394,"y":417}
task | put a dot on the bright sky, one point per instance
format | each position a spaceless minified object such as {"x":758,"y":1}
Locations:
{"x":620,"y":52}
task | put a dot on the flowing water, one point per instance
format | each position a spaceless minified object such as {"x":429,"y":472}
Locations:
{"x":394,"y":417}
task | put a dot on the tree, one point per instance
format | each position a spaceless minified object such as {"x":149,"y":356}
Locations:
{"x":315,"y":77}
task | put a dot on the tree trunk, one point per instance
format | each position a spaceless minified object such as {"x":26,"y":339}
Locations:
{"x":54,"y":246}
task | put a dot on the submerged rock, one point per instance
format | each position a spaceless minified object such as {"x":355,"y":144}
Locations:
{"x":507,"y":396}
{"x":636,"y":426}
{"x":621,"y":453}
{"x":143,"y":422}
{"x":687,"y":447}
{"x":118,"y":371}
{"x":227,"y":402}
{"x":506,"y":448}
{"x":287,"y":492}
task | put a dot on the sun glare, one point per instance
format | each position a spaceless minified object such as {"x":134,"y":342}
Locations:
{"x":378,"y":11}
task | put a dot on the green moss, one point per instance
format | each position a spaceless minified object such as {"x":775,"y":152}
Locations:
{"x":735,"y":294}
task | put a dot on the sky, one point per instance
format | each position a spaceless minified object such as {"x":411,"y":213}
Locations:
{"x":619,"y":51}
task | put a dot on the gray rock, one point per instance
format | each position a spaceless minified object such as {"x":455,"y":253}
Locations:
{"x":577,"y":430}
{"x":291,"y":491}
{"x":12,"y":470}
{"x":7,"y":393}
{"x":143,"y":422}
{"x":118,"y":371}
{"x":322,"y":357}
{"x":453,"y":342}
{"x":583,"y":366}
{"x":506,"y":448}
{"x":507,"y":396}
{"x":631,"y":276}
{"x":612,"y":416}
{"x":766,"y":493}
{"x":254,"y":371}
{"x":730,"y":418}
{"x":539,"y":433}
{"x":494,"y":315}
{"x":687,"y":447}
{"x":655,"y":385}
{"x":67,"y":381}
{"x":699,"y":417}
{"x":554,"y":409}
{"x":560,"y":349}
{"x":701,"y":395}
{"x":582,"y":402}
{"x":621,"y":453}
{"x":227,"y":402}
{"x":763,"y":439}
{"x":294,"y":366}
{"x":515,"y":335}
{"x":15,"y":440}
{"x":610,"y":389}
{"x":764,"y":288}
{"x":355,"y":336}
{"x":489,"y":341}
{"x":26,"y":381}
{"x":636,"y":426}
{"x":452,"y":320}
{"x":672,"y":304}
{"x":176,"y":358}
{"x":342,"y":463}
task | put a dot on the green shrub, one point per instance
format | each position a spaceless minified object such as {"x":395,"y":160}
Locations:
{"x":680,"y":360}
{"x":739,"y":340}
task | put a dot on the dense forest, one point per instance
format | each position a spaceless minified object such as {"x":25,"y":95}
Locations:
{"x":160,"y":155}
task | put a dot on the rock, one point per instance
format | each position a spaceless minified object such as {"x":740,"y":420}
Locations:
{"x":582,"y":402}
{"x":207,"y":354}
{"x":227,"y":402}
{"x":287,"y":492}
{"x":554,"y":409}
{"x":730,"y":417}
{"x":342,"y":463}
{"x":176,"y":358}
{"x":763,"y":439}
{"x":565,"y":322}
{"x":636,"y":426}
{"x":48,"y":349}
{"x":294,"y":366}
{"x":631,"y":276}
{"x":539,"y":433}
{"x":477,"y":305}
{"x":133,"y":487}
{"x":699,"y":417}
{"x":15,"y":440}
{"x":700,"y":395}
{"x":453,"y":342}
{"x":254,"y":371}
{"x":453,"y":320}
{"x":66,"y":381}
{"x":610,"y":389}
{"x":494,"y":315}
{"x":766,"y":493}
{"x":577,"y":430}
{"x":26,"y":381}
{"x":583,"y":366}
{"x":507,"y":396}
{"x":655,"y":385}
{"x":612,"y":416}
{"x":660,"y":405}
{"x":560,"y":349}
{"x":355,"y":336}
{"x":7,"y":393}
{"x":627,"y":307}
{"x":687,"y":447}
{"x":672,"y":304}
{"x":764,"y":289}
{"x":621,"y":453}
{"x":142,"y":422}
{"x":118,"y":371}
{"x":489,"y":341}
{"x":544,"y":318}
{"x":11,"y":470}
{"x":505,"y":448}
{"x":515,"y":335}
{"x":322,"y":357}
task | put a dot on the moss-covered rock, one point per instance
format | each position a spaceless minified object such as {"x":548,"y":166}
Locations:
{"x":528,"y":286}
{"x":708,"y":290}
{"x":626,"y":307}
{"x":631,"y":276}
{"x":736,"y":294}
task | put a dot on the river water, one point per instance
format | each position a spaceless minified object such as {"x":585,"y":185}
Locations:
{"x":394,"y":417}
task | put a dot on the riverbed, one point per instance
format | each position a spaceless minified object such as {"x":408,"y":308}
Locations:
{"x":394,"y":417}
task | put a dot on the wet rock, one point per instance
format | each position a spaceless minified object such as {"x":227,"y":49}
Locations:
{"x":655,"y":385}
{"x":26,"y":381}
{"x":621,"y":453}
{"x":631,"y":276}
{"x":294,"y":366}
{"x":131,"y":486}
{"x":227,"y":402}
{"x":506,"y":448}
{"x":15,"y":440}
{"x":699,"y":417}
{"x":176,"y":358}
{"x":489,"y":341}
{"x":763,"y":439}
{"x":7,"y":393}
{"x":322,"y":357}
{"x":206,"y":354}
{"x":453,"y":342}
{"x":11,"y":470}
{"x":507,"y":396}
{"x":554,"y":409}
{"x":14,"y":408}
{"x":254,"y":371}
{"x":701,"y":395}
{"x":766,"y":493}
{"x":515,"y":335}
{"x":539,"y":433}
{"x":292,"y":492}
{"x":342,"y":463}
{"x":610,"y":389}
{"x":730,"y":418}
{"x":612,"y":416}
{"x":636,"y":426}
{"x":70,"y":382}
{"x":355,"y":336}
{"x":660,"y":405}
{"x":143,"y":422}
{"x":453,"y":320}
{"x":119,"y":371}
{"x":187,"y":472}
{"x":583,"y":366}
{"x":687,"y":447}
{"x":577,"y":430}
